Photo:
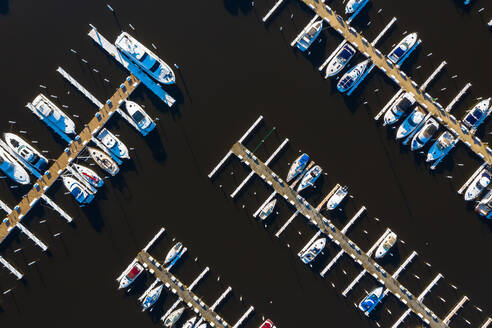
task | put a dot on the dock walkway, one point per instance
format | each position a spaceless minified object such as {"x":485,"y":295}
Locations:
{"x":72,"y":151}
{"x":337,"y":236}
{"x":405,"y":82}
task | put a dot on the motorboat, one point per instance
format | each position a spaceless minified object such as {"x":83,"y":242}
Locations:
{"x":441,"y":146}
{"x":350,"y":78}
{"x":340,"y":60}
{"x":297,"y":167}
{"x":310,"y":254}
{"x":410,"y":123}
{"x":370,"y":301}
{"x":425,"y":134}
{"x":81,"y":194}
{"x":383,"y":248}
{"x":308,"y":38}
{"x":173,"y":317}
{"x":115,"y":145}
{"x":140,"y":55}
{"x":267,"y":324}
{"x":484,"y":206}
{"x":475,"y":116}
{"x":190,"y":323}
{"x":139,"y":116}
{"x":267,"y":209}
{"x":478,"y":184}
{"x":104,"y":161}
{"x":337,"y":198}
{"x":173,"y":252}
{"x":152,"y":297}
{"x":402,"y":48}
{"x":310,"y":177}
{"x":47,"y":110}
{"x":352,"y":6}
{"x":130,"y":275}
{"x":12,"y":169}
{"x":401,"y":106}
{"x":25,"y":152}
{"x":89,"y":175}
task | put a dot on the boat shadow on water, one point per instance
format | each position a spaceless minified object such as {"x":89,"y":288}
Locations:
{"x":93,"y":214}
{"x":154,"y":141}
{"x":4,"y":7}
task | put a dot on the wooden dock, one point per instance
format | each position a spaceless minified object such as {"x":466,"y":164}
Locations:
{"x":328,"y":229}
{"x":73,"y":150}
{"x":405,"y":82}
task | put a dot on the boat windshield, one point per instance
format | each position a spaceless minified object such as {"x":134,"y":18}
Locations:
{"x":14,"y":143}
{"x":345,"y":55}
{"x":138,"y":117}
{"x":473,"y":117}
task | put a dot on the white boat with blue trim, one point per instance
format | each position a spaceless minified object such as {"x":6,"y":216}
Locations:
{"x":350,"y":78}
{"x":267,"y":209}
{"x":337,"y":198}
{"x":297,"y":167}
{"x":478,"y":185}
{"x":173,"y":253}
{"x":410,"y":123}
{"x":173,"y":317}
{"x":151,"y":297}
{"x":402,"y":48}
{"x":308,"y":38}
{"x":441,"y":146}
{"x":340,"y":60}
{"x":310,"y":254}
{"x":46,"y":109}
{"x":12,"y":169}
{"x":81,"y":194}
{"x":370,"y":301}
{"x":310,"y":178}
{"x":424,"y":134}
{"x":115,"y":145}
{"x":25,"y":152}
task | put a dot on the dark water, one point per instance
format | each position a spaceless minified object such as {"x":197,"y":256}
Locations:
{"x":234,"y":68}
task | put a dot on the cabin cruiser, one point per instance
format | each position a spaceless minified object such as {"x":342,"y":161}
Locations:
{"x":139,"y":116}
{"x":103,"y":160}
{"x":267,"y":324}
{"x":476,"y":115}
{"x":308,"y":38}
{"x":310,"y":177}
{"x":12,"y":169}
{"x":25,"y":152}
{"x":477,"y":186}
{"x":441,"y":146}
{"x":89,"y":175}
{"x":337,"y":198}
{"x":151,"y":297}
{"x":297,"y":167}
{"x":46,"y":109}
{"x":402,"y":48}
{"x":267,"y":209}
{"x":145,"y":59}
{"x":310,"y":254}
{"x":425,"y":134}
{"x":350,"y":78}
{"x":370,"y":301}
{"x":341,"y":59}
{"x":115,"y":145}
{"x":81,"y":194}
{"x":173,"y":252}
{"x":410,"y":123}
{"x":190,"y":323}
{"x":385,"y":245}
{"x":401,"y":106}
{"x":352,"y":6}
{"x":484,"y":206}
{"x":130,"y":275}
{"x":173,"y":317}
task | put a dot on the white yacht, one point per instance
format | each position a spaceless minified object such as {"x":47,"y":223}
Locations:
{"x":12,"y":169}
{"x":340,"y":60}
{"x":308,"y":38}
{"x":190,"y":323}
{"x":475,"y":116}
{"x":337,"y":198}
{"x":267,"y":209}
{"x":478,"y":184}
{"x":350,"y":78}
{"x":310,"y":254}
{"x":310,"y":178}
{"x":46,"y":109}
{"x":441,"y":146}
{"x":385,"y":245}
{"x":173,"y":317}
{"x":104,"y":161}
{"x":171,"y":255}
{"x":484,"y":206}
{"x":130,"y":275}
{"x":297,"y":167}
{"x":370,"y":301}
{"x":402,"y":48}
{"x":89,"y":175}
{"x":352,"y":6}
{"x":139,"y":116}
{"x":25,"y":152}
{"x":410,"y":123}
{"x":81,"y":194}
{"x":401,"y":106}
{"x":425,"y":134}
{"x":144,"y":58}
{"x":115,"y":145}
{"x":151,"y":297}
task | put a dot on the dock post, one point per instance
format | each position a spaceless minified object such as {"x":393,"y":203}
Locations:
{"x":286,"y":224}
{"x":221,"y":298}
{"x":432,"y":76}
{"x":270,"y":13}
{"x":56,"y":208}
{"x":458,"y":97}
{"x":153,"y":240}
{"x":351,"y":222}
{"x":455,"y":309}
{"x":383,"y":31}
{"x":388,"y":104}
{"x":332,"y":263}
{"x":243,"y":317}
{"x":11,"y":268}
{"x":480,"y":169}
